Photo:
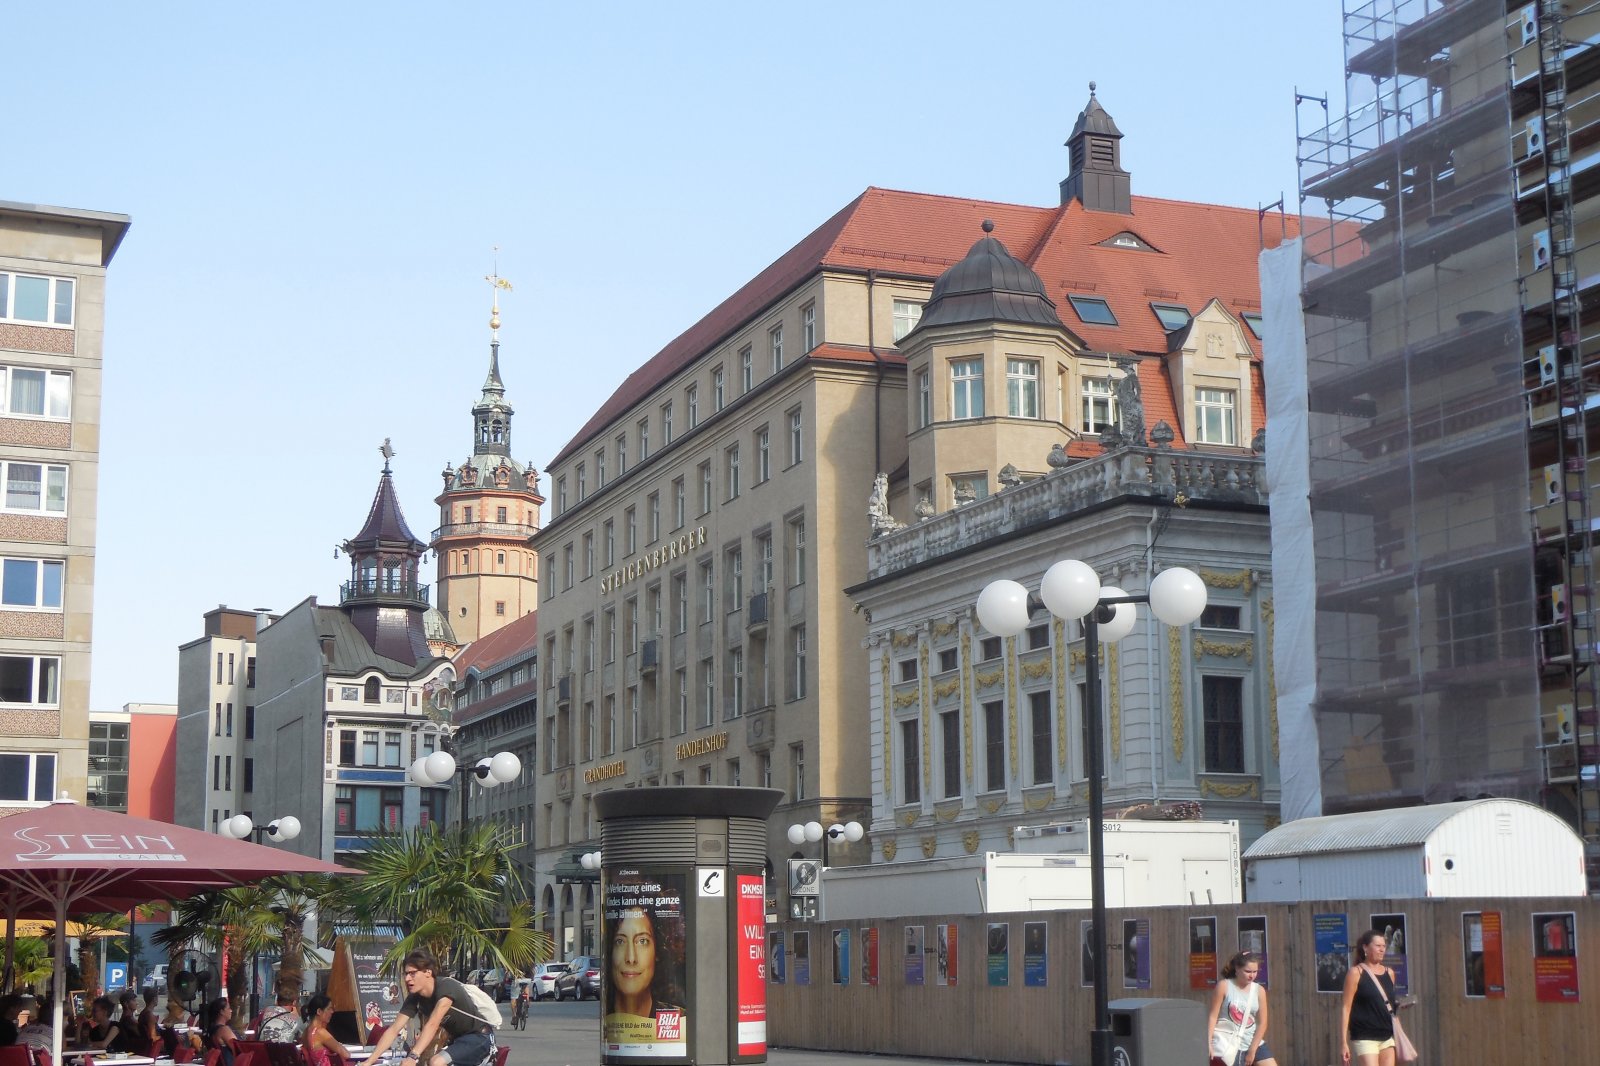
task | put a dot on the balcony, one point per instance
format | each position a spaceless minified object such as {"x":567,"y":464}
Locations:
{"x":757,"y":617}
{"x":509,"y":530}
{"x":648,"y":656}
{"x":1137,"y":474}
{"x":564,"y":688}
{"x":379,"y":589}
{"x":760,"y":727}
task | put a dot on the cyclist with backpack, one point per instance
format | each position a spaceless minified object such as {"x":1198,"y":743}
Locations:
{"x":443,"y":1004}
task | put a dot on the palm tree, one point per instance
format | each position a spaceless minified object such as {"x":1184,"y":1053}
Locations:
{"x":32,"y":962}
{"x":93,"y":928}
{"x":452,"y":892}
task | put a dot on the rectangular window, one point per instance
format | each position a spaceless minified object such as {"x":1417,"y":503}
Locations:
{"x":588,"y":731}
{"x":600,"y":469}
{"x":796,"y":437}
{"x":908,"y":669}
{"x":1213,"y":416}
{"x":680,"y":601}
{"x":947,"y":660}
{"x":775,"y":346}
{"x":609,"y":540}
{"x":500,"y":515}
{"x":797,"y":551}
{"x":797,"y":663}
{"x":227,"y":773}
{"x":608,"y":727}
{"x":588,"y":645}
{"x":966,"y":388}
{"x":1253,"y":320}
{"x":988,"y":649}
{"x":249,"y":671}
{"x":249,"y":722}
{"x":1038,"y":637}
{"x":644,"y":439}
{"x":1022,"y":388}
{"x":347,"y":747}
{"x":734,"y":572}
{"x":653,"y":509}
{"x":678,"y":503}
{"x":1099,"y":405}
{"x":369,"y":747}
{"x":680,"y":716}
{"x":566,"y":564}
{"x":1172,"y":316}
{"x":622,"y":454}
{"x":249,"y":775}
{"x":30,"y":393}
{"x":630,"y":527}
{"x":708,"y":593}
{"x":30,"y":680}
{"x":808,"y":327}
{"x":763,"y":575}
{"x":705,"y":487}
{"x":1040,"y":737}
{"x":583,"y":482}
{"x":588,"y":555}
{"x":763,"y":454}
{"x":718,"y":390}
{"x":228,"y":720}
{"x":32,"y":583}
{"x":950,"y":745}
{"x":561,"y":494}
{"x":608,"y":634}
{"x":797,"y":770}
{"x":708,"y":692}
{"x":1218,"y":616}
{"x":747,"y":369}
{"x":924,"y":399}
{"x":731,"y":470}
{"x":666,"y":423}
{"x":906,"y":316}
{"x":652,"y":609}
{"x":1093,"y":310}
{"x":391,"y":748}
{"x":994,"y":747}
{"x":691,"y":404}
{"x":733,"y":773}
{"x":910,"y":762}
{"x":735,"y":682}
{"x":635,"y":725}
{"x":766,"y":769}
{"x":35,"y":487}
{"x":28,"y":777}
{"x":43,"y":301}
{"x":1223,"y":698}
{"x":219,"y":668}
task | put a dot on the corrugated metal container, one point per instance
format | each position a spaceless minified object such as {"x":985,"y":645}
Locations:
{"x":1486,"y":847}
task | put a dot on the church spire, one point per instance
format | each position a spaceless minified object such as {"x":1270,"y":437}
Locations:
{"x":491,"y":417}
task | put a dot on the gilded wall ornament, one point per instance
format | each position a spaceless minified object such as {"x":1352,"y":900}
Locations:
{"x":888,"y":737}
{"x":1037,"y":802}
{"x":905,"y":640}
{"x":969,"y":840}
{"x":1058,"y":635}
{"x":927,"y":717}
{"x":1238,"y":579}
{"x":947,"y":814}
{"x":989,"y":678}
{"x":945,"y":689}
{"x":1272,"y":821}
{"x":1226,"y":649}
{"x":1234,"y":790}
{"x":930,"y":844}
{"x":908,"y":819}
{"x":905,"y":699}
{"x":1272,"y":679}
{"x":889,"y":849}
{"x":1076,"y":660}
{"x":992,"y":806}
{"x":1115,"y":683}
{"x":943,"y":629}
{"x":1034,"y":671}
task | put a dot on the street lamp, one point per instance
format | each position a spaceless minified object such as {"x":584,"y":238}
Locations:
{"x":491,"y":770}
{"x":1072,"y":590}
{"x":591,"y":860}
{"x":240,"y":827}
{"x":813,"y":832}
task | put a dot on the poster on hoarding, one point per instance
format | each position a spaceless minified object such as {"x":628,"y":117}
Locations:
{"x":869,"y":955}
{"x":841,"y":956}
{"x":1332,"y":935}
{"x":1483,"y":955}
{"x":1203,"y":952}
{"x":775,"y":956}
{"x":945,"y":974}
{"x":999,"y":968}
{"x":913,"y":954}
{"x":1086,"y":953}
{"x":1396,"y":942}
{"x":1135,"y":953}
{"x":750,"y":916}
{"x":1035,"y":954}
{"x":1555,"y":957}
{"x":802,"y":957}
{"x":1253,"y":938}
{"x":645,"y":933}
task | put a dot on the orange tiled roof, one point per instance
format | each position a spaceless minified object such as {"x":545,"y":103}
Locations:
{"x":512,"y":639}
{"x":1202,"y":251}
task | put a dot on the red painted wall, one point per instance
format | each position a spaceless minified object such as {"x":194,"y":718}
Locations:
{"x":152,"y":765}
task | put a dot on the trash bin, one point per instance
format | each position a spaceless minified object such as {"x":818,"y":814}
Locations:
{"x":683,"y":933}
{"x":1157,"y":1032}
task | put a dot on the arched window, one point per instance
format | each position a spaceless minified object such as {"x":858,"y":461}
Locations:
{"x":372,"y":691}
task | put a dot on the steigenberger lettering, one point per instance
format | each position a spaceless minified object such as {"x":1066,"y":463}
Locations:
{"x":606,"y":771}
{"x":691,"y":749}
{"x":650,"y":560}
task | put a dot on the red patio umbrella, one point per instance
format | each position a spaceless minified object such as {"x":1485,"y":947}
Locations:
{"x":67,"y":859}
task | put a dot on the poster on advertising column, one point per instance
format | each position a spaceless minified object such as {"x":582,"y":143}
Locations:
{"x":645,"y":933}
{"x":750,"y":939}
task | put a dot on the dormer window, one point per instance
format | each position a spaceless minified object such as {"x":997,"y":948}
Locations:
{"x":1253,"y":320}
{"x":1172,"y":316}
{"x":1093,"y":310}
{"x":1099,"y":405}
{"x":1214,"y":416}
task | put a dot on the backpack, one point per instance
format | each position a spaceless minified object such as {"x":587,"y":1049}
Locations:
{"x":482,"y":1006}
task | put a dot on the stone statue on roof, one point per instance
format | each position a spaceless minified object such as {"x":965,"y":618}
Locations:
{"x":878,"y":515}
{"x":1130,"y":408}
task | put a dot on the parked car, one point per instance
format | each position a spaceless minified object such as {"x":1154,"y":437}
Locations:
{"x":492,"y":981}
{"x":581,"y":979}
{"x":156,"y":979}
{"x":544,"y":978}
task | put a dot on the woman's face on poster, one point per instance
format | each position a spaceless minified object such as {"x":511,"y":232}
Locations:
{"x":633,"y":954}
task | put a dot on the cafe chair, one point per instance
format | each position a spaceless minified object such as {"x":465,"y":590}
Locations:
{"x":502,"y":1053}
{"x":16,"y":1055}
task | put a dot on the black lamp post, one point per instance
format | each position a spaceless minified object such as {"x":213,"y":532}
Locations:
{"x":1072,"y":590}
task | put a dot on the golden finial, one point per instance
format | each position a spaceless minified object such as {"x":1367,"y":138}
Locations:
{"x":498,"y":283}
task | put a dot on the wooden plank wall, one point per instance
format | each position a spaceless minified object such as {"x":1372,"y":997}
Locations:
{"x":973,"y":1020}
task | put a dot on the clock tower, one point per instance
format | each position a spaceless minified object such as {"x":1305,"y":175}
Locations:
{"x":487,"y":572}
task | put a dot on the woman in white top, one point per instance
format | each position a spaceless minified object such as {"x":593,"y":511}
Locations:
{"x":1237,"y":1030}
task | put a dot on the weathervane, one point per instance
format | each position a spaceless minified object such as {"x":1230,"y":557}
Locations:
{"x":497,"y":283}
{"x":387,"y":451}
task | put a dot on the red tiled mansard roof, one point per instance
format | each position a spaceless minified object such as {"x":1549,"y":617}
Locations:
{"x":1195,"y":253}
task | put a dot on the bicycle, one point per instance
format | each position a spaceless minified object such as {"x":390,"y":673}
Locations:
{"x":519,"y":1013}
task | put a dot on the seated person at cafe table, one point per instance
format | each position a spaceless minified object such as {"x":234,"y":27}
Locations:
{"x":319,"y":1045}
{"x":103,"y":1034}
{"x":219,"y":1033}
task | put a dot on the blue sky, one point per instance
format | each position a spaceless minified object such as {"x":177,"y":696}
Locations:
{"x":316,"y":190}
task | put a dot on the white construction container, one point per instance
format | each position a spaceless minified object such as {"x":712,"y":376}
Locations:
{"x":1169,"y":863}
{"x":1484,"y":847}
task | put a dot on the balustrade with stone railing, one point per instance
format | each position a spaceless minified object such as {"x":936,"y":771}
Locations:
{"x":1151,"y":474}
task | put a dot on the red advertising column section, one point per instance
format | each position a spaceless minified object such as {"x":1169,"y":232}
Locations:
{"x":750,"y":916}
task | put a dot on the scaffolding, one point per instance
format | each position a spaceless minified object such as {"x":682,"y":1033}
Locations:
{"x":1445,"y":216}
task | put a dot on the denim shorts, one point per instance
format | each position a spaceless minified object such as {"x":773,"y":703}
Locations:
{"x":469,"y":1050}
{"x":1263,"y":1053}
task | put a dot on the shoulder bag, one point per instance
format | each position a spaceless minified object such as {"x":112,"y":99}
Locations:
{"x":1404,"y":1049}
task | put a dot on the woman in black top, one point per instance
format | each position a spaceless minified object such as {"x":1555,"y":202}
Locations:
{"x":105,"y":1034}
{"x":1369,"y":1005}
{"x":220,"y":1034}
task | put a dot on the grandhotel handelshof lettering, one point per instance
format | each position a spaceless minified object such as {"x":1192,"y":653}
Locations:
{"x":904,"y":360}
